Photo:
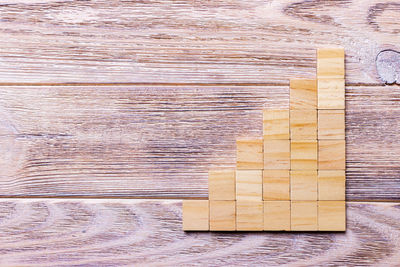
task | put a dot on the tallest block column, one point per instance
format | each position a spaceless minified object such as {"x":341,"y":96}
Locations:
{"x":331,"y":139}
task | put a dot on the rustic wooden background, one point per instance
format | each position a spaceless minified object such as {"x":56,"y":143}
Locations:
{"x":113,"y":111}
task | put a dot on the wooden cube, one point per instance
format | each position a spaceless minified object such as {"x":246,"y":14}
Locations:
{"x":330,"y":63}
{"x":331,"y":94}
{"x":304,"y":216}
{"x":250,"y":154}
{"x":331,"y":124}
{"x":331,"y":155}
{"x":303,"y":124}
{"x":331,"y":185}
{"x":276,"y":185}
{"x":222,"y":215}
{"x":304,"y":185}
{"x":276,"y":124}
{"x":277,"y":215}
{"x":304,"y":154}
{"x":303,"y":94}
{"x":249,"y":185}
{"x":221,"y":184}
{"x":249,"y":215}
{"x":277,"y":154}
{"x":332,"y":215}
{"x":195,"y":215}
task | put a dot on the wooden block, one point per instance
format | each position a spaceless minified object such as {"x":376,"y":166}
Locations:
{"x":221,"y":184}
{"x":222,"y":215}
{"x":276,"y":215}
{"x":332,"y":215}
{"x":331,"y":155}
{"x":249,"y":215}
{"x":303,"y":124}
{"x":303,"y":94}
{"x":277,"y":154}
{"x":331,"y":94}
{"x":303,"y":155}
{"x":331,"y":124}
{"x":250,"y":154}
{"x":304,"y":185}
{"x":330,"y":63}
{"x":249,"y":185}
{"x":195,"y":215}
{"x":331,"y":185}
{"x":276,"y":185}
{"x":304,"y":216}
{"x":276,"y":124}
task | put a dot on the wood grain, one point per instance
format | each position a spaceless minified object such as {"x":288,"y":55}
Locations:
{"x":145,"y":141}
{"x":189,"y":41}
{"x":143,"y":232}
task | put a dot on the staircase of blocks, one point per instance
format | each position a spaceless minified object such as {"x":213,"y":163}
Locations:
{"x":293,"y":179}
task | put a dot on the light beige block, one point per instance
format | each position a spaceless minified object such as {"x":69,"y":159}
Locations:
{"x":222,"y":215}
{"x":330,"y":63}
{"x":249,"y":185}
{"x":304,"y":154}
{"x":331,"y":185}
{"x":221,"y":184}
{"x":303,"y":124}
{"x":276,"y":124}
{"x":276,"y":215}
{"x":332,"y":215}
{"x":195,"y":215}
{"x":331,"y":94}
{"x":304,"y":216}
{"x":303,"y":94}
{"x":277,"y":154}
{"x":304,"y":185}
{"x":331,"y":124}
{"x":249,"y":154}
{"x":276,"y":185}
{"x":331,"y":155}
{"x":249,"y":215}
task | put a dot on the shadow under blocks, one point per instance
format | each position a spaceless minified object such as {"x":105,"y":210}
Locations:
{"x":293,"y":178}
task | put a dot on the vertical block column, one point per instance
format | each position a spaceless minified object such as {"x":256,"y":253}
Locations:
{"x":250,"y":162}
{"x":222,"y":195}
{"x":276,"y":180}
{"x":331,"y":139}
{"x":304,"y":154}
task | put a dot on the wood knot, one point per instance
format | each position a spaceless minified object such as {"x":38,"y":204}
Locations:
{"x":388,"y":66}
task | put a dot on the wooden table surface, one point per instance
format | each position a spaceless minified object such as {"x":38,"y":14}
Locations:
{"x":111,"y":112}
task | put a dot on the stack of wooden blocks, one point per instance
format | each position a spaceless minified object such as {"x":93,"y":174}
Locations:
{"x":293,"y":179}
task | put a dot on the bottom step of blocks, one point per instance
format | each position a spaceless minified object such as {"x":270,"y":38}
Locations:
{"x":274,"y":215}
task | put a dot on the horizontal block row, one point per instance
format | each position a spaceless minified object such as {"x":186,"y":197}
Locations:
{"x":304,"y":124}
{"x":291,"y":154}
{"x":214,"y":215}
{"x":276,"y":185}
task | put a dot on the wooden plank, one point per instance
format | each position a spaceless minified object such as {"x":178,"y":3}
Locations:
{"x":186,"y":41}
{"x":55,"y":232}
{"x":144,"y":141}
